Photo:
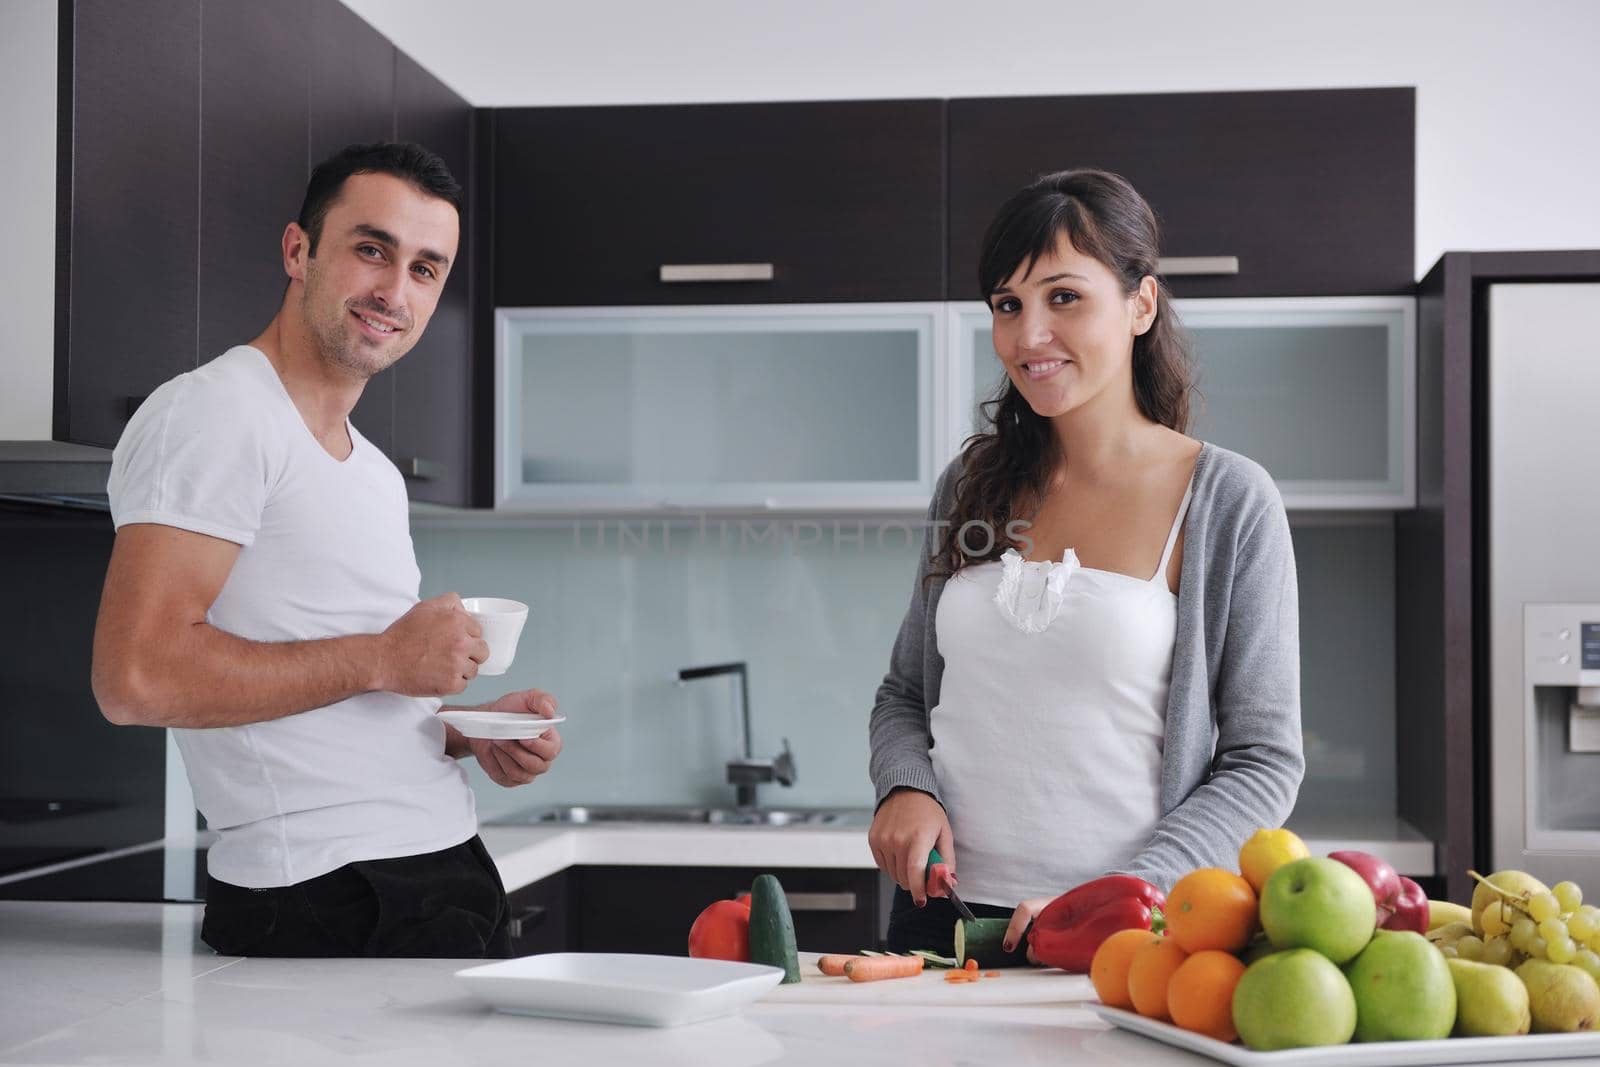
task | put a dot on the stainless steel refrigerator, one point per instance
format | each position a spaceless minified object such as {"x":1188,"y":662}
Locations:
{"x":1538,"y":574}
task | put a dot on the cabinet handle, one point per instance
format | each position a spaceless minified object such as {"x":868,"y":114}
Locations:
{"x":421,"y":470}
{"x":716,"y":272}
{"x":1170,"y":265}
{"x":526,"y":919}
{"x":822,"y":901}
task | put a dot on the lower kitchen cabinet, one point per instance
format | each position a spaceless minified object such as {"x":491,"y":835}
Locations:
{"x":542,"y":918}
{"x":650,"y":909}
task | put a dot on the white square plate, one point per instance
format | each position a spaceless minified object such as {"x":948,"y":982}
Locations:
{"x":619,"y":987}
{"x":499,"y":725}
{"x":1377,"y":1054}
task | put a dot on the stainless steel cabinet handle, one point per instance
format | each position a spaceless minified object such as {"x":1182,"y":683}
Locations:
{"x":822,"y":901}
{"x":421,"y":470}
{"x":525,"y":920}
{"x":1171,"y":265}
{"x":716,"y":272}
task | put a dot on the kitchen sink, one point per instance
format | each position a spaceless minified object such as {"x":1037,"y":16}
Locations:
{"x":588,"y":814}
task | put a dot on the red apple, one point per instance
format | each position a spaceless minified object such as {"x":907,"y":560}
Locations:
{"x":1380,"y":878}
{"x":1410,"y":910}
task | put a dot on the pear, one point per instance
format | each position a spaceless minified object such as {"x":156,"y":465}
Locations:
{"x":1490,"y":1000}
{"x":1488,"y":921}
{"x":1563,"y":998}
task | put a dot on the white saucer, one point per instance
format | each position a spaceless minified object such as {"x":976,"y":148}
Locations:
{"x":499,"y":725}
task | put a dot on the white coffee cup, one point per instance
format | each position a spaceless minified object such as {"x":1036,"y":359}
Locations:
{"x":502,"y":622}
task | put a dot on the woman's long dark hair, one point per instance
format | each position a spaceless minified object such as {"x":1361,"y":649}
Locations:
{"x":1005,"y":469}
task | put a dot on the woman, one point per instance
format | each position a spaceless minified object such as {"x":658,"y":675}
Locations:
{"x":1099,"y":670}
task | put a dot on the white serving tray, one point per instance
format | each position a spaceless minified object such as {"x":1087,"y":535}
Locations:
{"x":619,"y":987}
{"x":1376,"y":1054}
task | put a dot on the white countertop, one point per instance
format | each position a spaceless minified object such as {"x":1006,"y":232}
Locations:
{"x":133,"y":984}
{"x":525,"y":854}
{"x":106,"y":983}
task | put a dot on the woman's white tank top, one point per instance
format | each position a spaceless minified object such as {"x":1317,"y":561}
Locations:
{"x":1048,"y":734}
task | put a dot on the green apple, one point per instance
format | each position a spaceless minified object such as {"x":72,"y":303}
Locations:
{"x":1403,"y":989}
{"x":1293,"y":999}
{"x":1321,"y":904}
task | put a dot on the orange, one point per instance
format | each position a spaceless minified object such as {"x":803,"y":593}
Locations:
{"x":1109,"y":968}
{"x":1211,"y":908}
{"x":1152,"y":967}
{"x":1266,"y":851}
{"x":1200,"y":994}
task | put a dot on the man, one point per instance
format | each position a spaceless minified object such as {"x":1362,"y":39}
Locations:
{"x":262,"y":600}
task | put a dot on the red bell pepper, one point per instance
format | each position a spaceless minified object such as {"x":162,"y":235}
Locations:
{"x":1411,"y":909}
{"x":1072,"y":926}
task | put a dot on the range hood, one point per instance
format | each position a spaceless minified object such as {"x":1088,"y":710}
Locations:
{"x":55,"y":472}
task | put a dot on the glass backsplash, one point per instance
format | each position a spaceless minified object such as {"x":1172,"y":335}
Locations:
{"x":812,"y":605}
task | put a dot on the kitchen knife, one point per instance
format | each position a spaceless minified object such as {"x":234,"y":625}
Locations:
{"x":936,"y":860}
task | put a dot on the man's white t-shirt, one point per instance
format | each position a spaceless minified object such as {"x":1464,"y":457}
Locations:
{"x":223,"y":451}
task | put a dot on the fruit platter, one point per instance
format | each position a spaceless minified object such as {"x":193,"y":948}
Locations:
{"x":1299,"y":959}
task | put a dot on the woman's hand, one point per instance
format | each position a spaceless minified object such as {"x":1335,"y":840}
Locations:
{"x":1021,"y":919}
{"x":909,"y":825}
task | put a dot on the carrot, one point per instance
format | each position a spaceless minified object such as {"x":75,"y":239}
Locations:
{"x":877,"y":967}
{"x":991,"y":974}
{"x":972,"y":965}
{"x":958,"y":977}
{"x":833,"y":966}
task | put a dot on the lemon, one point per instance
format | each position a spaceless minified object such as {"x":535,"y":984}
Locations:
{"x":1266,"y":851}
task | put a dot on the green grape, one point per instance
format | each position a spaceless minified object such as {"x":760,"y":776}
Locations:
{"x":1535,"y":947}
{"x":1561,"y":950}
{"x":1594,"y":943}
{"x":1469,"y":948}
{"x":1543,"y":906}
{"x":1589,"y":961}
{"x":1522,"y":931}
{"x":1497,"y":950}
{"x":1552,"y":930}
{"x":1582,"y":926}
{"x":1448,"y":951}
{"x":1568,"y":895}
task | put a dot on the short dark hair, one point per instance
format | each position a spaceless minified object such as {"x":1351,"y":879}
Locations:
{"x":409,"y":162}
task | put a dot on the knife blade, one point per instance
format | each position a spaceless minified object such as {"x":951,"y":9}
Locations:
{"x":943,"y":877}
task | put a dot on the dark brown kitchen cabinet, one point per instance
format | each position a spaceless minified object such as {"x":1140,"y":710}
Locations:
{"x":188,"y":131}
{"x":542,"y":917}
{"x":650,"y":909}
{"x":432,"y":401}
{"x":128,"y":201}
{"x":253,"y":162}
{"x":843,"y":201}
{"x":1311,"y":191}
{"x":352,"y":71}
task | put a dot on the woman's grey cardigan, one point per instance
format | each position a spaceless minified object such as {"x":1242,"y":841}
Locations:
{"x":1232,"y":759}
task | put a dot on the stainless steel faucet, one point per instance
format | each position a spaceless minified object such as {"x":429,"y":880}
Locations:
{"x":746,"y":772}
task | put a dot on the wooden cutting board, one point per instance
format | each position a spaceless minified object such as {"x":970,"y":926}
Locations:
{"x":1020,"y":985}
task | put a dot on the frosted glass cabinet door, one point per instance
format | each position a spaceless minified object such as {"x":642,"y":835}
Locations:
{"x":813,"y":407}
{"x":1320,"y":391}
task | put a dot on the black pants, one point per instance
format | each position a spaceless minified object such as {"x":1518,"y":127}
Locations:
{"x":933,"y":927}
{"x":446,"y":904}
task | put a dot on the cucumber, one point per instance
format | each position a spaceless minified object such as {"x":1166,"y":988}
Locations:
{"x":772,"y":928}
{"x":983,"y":940}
